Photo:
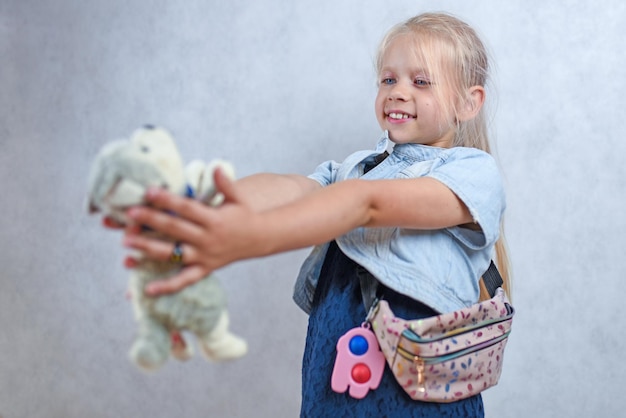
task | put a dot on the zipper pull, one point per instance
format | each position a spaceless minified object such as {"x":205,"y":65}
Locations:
{"x":421,"y":378}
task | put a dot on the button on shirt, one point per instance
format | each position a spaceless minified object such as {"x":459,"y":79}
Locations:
{"x":440,"y":268}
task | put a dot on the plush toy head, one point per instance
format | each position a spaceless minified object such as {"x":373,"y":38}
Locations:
{"x":120,"y":176}
{"x":125,"y":169}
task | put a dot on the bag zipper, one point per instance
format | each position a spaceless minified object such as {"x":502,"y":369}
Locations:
{"x":414,"y":337}
{"x":421,"y":362}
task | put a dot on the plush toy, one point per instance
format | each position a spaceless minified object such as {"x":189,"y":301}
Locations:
{"x":120,"y":176}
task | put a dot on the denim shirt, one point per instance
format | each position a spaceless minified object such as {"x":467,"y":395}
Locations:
{"x":440,"y":268}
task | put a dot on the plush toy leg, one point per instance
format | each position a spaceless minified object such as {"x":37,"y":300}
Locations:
{"x":180,"y":349}
{"x":220,"y":344}
{"x":152,"y":345}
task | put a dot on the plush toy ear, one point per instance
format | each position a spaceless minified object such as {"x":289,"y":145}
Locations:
{"x":194,"y":174}
{"x":101,"y":176}
{"x":126,"y":193}
{"x":200,"y":177}
{"x":122,"y":194}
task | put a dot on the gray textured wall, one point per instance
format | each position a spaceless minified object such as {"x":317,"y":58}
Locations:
{"x":281,"y":86}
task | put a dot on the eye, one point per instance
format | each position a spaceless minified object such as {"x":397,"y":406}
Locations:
{"x":422,"y":82}
{"x":388,"y":81}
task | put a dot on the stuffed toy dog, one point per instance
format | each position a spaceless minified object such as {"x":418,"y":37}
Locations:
{"x":121,"y":173}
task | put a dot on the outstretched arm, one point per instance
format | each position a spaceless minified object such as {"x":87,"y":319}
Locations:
{"x":261,"y":191}
{"x":301,"y":215}
{"x":264,"y":191}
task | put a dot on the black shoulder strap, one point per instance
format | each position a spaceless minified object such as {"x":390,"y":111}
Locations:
{"x":377,"y":160}
{"x":492,"y":279}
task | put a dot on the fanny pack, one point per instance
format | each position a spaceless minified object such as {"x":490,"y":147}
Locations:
{"x":451,"y":356}
{"x":443,"y":358}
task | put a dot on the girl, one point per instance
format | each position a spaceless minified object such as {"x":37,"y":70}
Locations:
{"x":423,"y":220}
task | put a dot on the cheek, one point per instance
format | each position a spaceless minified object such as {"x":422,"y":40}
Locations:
{"x":432,"y":111}
{"x":379,"y":105}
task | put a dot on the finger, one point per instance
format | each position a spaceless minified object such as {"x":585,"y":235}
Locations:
{"x":225,"y":186}
{"x":132,"y":229}
{"x":178,"y":253}
{"x":189,"y":209}
{"x":130,"y":262}
{"x":189,"y":275}
{"x":111,"y":223}
{"x":176,"y":227}
{"x":150,"y":248}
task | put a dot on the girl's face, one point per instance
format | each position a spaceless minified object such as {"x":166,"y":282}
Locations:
{"x":406,"y":105}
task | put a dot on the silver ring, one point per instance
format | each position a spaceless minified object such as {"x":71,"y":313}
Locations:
{"x":177,"y":253}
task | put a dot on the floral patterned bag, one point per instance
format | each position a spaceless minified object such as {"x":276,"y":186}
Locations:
{"x":447,"y":357}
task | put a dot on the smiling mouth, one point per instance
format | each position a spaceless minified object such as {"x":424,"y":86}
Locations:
{"x":399,"y":116}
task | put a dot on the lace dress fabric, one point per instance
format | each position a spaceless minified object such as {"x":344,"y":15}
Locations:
{"x":338,"y":307}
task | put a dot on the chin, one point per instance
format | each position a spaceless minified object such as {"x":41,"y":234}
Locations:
{"x":399,"y":139}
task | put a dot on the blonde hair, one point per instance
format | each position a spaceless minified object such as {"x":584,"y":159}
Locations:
{"x":456,"y":60}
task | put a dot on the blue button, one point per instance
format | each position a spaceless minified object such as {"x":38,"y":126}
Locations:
{"x":358,"y":345}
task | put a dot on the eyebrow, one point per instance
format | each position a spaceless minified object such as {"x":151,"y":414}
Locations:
{"x":418,"y":72}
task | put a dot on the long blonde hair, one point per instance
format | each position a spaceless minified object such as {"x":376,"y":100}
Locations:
{"x":457,"y":60}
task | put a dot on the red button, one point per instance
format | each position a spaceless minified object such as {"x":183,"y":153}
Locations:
{"x":361,"y":373}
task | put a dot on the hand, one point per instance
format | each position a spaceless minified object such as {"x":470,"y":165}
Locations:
{"x":210,"y":237}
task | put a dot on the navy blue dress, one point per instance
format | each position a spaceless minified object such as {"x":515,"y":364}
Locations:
{"x":337,"y":308}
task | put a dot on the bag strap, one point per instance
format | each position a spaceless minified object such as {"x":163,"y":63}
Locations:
{"x":492,"y":279}
{"x":377,"y":160}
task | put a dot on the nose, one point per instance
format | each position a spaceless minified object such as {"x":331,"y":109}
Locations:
{"x":398,"y":92}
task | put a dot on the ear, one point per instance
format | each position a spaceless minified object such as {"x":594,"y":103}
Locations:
{"x":473,"y":103}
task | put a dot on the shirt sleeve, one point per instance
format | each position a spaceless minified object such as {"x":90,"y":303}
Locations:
{"x":474,"y":177}
{"x":325,"y":173}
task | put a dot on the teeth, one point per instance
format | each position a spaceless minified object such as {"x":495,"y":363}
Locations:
{"x":394,"y":115}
